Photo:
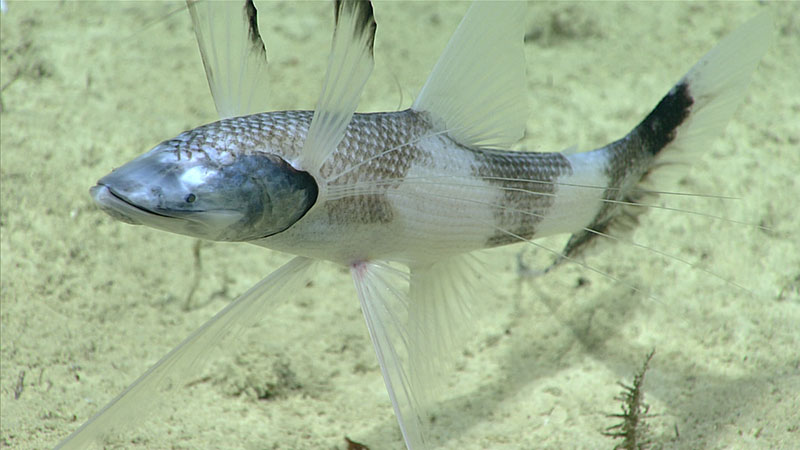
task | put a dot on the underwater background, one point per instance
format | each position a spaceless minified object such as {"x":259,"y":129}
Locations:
{"x":89,"y":303}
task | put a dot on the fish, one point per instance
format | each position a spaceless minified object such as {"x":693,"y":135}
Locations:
{"x":401,"y":199}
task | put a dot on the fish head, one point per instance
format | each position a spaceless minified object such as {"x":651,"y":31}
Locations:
{"x":208,"y":194}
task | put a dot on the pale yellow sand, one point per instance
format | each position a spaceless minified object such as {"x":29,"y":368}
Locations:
{"x":88,"y":304}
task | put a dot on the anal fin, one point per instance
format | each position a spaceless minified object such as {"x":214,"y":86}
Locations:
{"x":440,"y":297}
{"x":416,"y":322}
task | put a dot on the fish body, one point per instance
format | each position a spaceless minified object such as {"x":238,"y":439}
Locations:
{"x":417,"y":189}
{"x":396,"y":187}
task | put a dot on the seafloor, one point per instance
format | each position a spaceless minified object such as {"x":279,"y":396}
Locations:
{"x":88,"y":303}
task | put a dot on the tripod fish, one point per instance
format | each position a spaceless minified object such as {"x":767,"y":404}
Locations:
{"x":400,"y":198}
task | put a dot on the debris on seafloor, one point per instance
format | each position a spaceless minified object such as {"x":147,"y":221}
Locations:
{"x":633,"y":430}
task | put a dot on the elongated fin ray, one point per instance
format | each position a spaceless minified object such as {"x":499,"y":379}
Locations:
{"x":477,"y":88}
{"x":383,"y":293}
{"x":186,"y":359}
{"x":234,"y":56}
{"x":349,"y":66}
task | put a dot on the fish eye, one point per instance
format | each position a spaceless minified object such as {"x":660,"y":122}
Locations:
{"x":190,"y":198}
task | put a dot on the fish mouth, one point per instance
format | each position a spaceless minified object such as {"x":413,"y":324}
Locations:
{"x":120,"y":208}
{"x":205,"y":224}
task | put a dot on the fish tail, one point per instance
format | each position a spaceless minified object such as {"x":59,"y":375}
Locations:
{"x":686,"y":121}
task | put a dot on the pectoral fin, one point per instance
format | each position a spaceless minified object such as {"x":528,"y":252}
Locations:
{"x":233,"y":53}
{"x":349,"y":66}
{"x":187,"y":359}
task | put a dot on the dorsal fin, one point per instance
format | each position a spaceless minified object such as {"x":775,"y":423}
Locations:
{"x":476,"y":91}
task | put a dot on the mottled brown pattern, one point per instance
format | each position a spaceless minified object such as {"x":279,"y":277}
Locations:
{"x":367,"y":135}
{"x":282,"y":130}
{"x":523,"y":176}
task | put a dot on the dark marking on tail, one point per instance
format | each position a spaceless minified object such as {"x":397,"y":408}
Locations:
{"x":630,"y":160}
{"x":658,"y":129}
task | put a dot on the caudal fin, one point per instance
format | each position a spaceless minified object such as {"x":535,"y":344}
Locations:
{"x":709,"y":93}
{"x":684,"y":123}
